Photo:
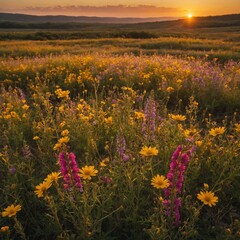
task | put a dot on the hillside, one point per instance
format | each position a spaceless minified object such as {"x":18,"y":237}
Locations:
{"x":24,"y":27}
{"x":9,"y":17}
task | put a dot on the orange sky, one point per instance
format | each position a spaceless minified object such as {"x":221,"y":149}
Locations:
{"x":122,"y":8}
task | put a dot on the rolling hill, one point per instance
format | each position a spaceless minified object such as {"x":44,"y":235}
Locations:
{"x":20,"y":26}
{"x":10,"y":17}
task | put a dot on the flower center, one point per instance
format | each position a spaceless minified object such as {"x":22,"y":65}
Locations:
{"x":87,"y":172}
{"x":11,"y":211}
{"x":207,"y":199}
{"x":160,"y":182}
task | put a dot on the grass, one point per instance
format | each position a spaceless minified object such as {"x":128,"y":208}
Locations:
{"x":221,"y":49}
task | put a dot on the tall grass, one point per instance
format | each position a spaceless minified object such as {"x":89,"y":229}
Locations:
{"x":222,"y":49}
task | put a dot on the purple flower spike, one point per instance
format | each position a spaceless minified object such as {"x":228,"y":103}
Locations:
{"x":149,"y":124}
{"x":175,"y":176}
{"x":69,"y":170}
{"x":121,"y":148}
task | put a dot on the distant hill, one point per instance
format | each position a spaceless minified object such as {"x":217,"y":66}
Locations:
{"x":28,"y":27}
{"x":10,"y":17}
{"x":23,"y":21}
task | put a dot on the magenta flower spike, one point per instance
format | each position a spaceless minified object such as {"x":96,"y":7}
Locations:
{"x":69,"y":170}
{"x":172,"y":193}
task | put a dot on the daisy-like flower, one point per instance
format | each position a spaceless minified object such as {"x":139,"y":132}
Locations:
{"x":52,"y":177}
{"x":4,"y":229}
{"x":170,"y":89}
{"x":139,"y":115}
{"x":199,"y":143}
{"x":108,"y":120}
{"x":217,"y":131}
{"x":104,"y":162}
{"x":149,"y":151}
{"x":179,"y":81}
{"x":208,"y":198}
{"x":42,"y":188}
{"x":65,"y":133}
{"x":88,"y":172}
{"x":62,"y":94}
{"x":159,"y":182}
{"x":64,"y":140}
{"x":237,"y":127}
{"x":11,"y":210}
{"x":191,"y":133}
{"x":36,"y":138}
{"x":177,"y":117}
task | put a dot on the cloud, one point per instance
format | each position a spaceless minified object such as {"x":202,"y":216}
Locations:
{"x":106,"y":11}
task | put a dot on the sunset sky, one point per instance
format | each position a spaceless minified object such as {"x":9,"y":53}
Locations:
{"x":122,"y":8}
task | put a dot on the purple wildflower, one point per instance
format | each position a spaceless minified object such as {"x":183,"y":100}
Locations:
{"x":149,"y":125}
{"x":75,"y":170}
{"x":106,"y":180}
{"x":12,"y":170}
{"x":69,"y":170}
{"x":22,"y":95}
{"x":172,"y":193}
{"x":121,"y":148}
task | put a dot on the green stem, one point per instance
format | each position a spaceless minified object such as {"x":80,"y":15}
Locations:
{"x":19,"y":228}
{"x":53,"y":209}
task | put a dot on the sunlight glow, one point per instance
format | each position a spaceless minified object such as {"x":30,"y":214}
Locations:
{"x":189,"y":15}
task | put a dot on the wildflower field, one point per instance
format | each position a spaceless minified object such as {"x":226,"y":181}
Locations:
{"x":98,"y":144}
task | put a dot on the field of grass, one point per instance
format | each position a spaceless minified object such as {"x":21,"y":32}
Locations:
{"x":120,"y":138}
{"x":223,"y":49}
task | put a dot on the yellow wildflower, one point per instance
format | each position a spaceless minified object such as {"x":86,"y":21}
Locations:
{"x":11,"y":211}
{"x":177,"y":117}
{"x":198,"y":143}
{"x":25,"y":107}
{"x":170,"y":89}
{"x":159,"y":182}
{"x":15,"y":115}
{"x":179,"y":81}
{"x":139,"y":115}
{"x":149,"y":151}
{"x":195,"y":104}
{"x":104,"y":162}
{"x":65,"y":133}
{"x":217,"y":131}
{"x":161,"y":199}
{"x":189,"y":133}
{"x":52,"y":177}
{"x":62,"y":94}
{"x":4,"y":229}
{"x":8,"y":116}
{"x":205,"y":185}
{"x":108,"y":120}
{"x":57,"y":146}
{"x":87,"y":172}
{"x":63,"y":140}
{"x":42,"y":188}
{"x":61,"y":109}
{"x":208,"y":198}
{"x":237,"y":127}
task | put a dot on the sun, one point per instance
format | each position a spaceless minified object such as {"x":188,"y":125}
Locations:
{"x":189,"y":15}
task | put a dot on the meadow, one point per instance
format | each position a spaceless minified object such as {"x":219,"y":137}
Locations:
{"x":120,"y":138}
